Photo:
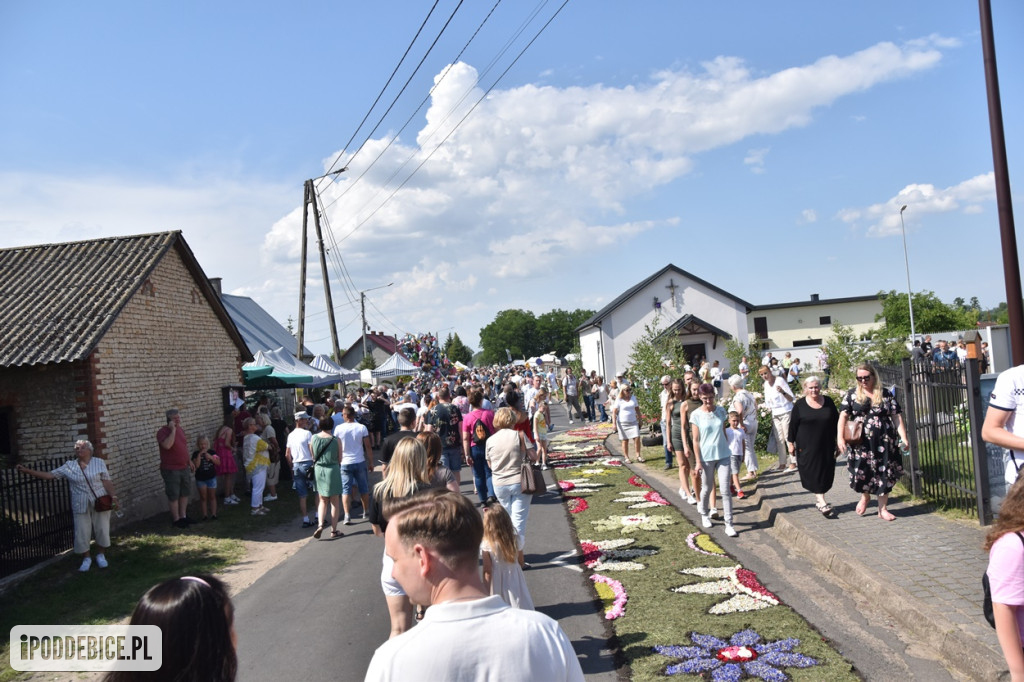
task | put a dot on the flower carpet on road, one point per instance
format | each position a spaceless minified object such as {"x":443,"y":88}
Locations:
{"x":680,"y":606}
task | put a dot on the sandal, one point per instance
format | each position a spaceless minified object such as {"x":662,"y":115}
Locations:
{"x":337,"y":534}
{"x":825,"y":509}
{"x":318,"y":532}
{"x":640,"y":459}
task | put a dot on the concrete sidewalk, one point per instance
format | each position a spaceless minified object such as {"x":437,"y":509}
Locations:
{"x":923,"y":571}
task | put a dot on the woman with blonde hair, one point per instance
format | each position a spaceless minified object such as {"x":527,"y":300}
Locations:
{"x":406,"y":476}
{"x":675,"y":416}
{"x":875,"y":458}
{"x":1005,"y":546}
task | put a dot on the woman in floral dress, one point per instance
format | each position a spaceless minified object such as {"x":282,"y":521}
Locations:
{"x":876,"y":461}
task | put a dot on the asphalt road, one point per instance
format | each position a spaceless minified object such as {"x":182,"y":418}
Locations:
{"x":321,"y":612}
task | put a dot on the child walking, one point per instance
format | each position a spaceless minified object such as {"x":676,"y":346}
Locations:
{"x":736,"y":435}
{"x":500,"y":550}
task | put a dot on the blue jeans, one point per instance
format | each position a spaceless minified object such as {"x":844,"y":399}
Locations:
{"x":604,"y":412}
{"x":588,"y":404}
{"x":518,"y":507}
{"x":481,"y":473}
{"x":667,"y":442}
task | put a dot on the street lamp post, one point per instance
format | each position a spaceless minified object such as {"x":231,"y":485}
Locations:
{"x":362,"y":311}
{"x":906,"y":261}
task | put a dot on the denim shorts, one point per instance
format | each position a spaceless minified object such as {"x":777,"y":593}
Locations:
{"x":356,"y":473}
{"x":302,"y":485}
{"x":211,"y":484}
{"x":452,"y":458}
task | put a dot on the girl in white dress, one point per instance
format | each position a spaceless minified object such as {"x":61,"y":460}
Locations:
{"x":500,"y":551}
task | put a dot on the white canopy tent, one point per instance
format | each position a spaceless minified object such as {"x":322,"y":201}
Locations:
{"x":395,"y":366}
{"x":324,"y":364}
{"x":282,"y":360}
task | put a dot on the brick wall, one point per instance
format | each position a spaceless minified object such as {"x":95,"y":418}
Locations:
{"x":45,"y":414}
{"x":166,"y":349}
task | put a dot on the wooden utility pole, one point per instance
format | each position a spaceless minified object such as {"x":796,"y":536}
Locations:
{"x":1007,"y":232}
{"x":309,"y":197}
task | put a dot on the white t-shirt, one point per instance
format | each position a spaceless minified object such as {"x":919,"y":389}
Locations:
{"x":298,"y":443}
{"x":736,"y":440}
{"x":1008,"y":395}
{"x":351,"y":435}
{"x":493,"y":641}
{"x":627,"y":410}
{"x":775,"y":396}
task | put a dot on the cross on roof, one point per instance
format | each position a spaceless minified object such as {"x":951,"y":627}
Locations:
{"x":672,"y":286}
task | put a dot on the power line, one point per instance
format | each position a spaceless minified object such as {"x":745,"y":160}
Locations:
{"x":456,"y":127}
{"x":382,"y":90}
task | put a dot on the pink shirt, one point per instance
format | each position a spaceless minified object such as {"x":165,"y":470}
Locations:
{"x":470,"y":420}
{"x":1006,"y":575}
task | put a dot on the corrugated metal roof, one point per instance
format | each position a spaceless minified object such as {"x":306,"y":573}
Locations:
{"x":259,"y":329}
{"x":57,"y":300}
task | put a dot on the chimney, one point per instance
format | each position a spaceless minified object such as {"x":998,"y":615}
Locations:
{"x":814,"y":297}
{"x":215,"y":283}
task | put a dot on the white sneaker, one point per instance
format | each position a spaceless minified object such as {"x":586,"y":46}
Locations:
{"x":691,"y":499}
{"x":101,"y":561}
{"x":713,"y":513}
{"x":270,"y":498}
{"x":682,"y":494}
{"x":230,"y":500}
{"x":730,"y":531}
{"x":705,"y":520}
{"x":700,"y":509}
{"x":570,"y":421}
{"x":347,"y":520}
{"x":86,"y":563}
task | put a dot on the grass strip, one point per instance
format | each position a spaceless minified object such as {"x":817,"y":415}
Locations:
{"x":721,"y":624}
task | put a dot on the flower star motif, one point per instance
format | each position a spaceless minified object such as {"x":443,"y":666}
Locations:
{"x":606,"y":555}
{"x":747,"y":592}
{"x":638,"y":482}
{"x":633,"y":523}
{"x":612,"y":594}
{"x":702,"y":542}
{"x":576,"y":505}
{"x":744,"y":655}
{"x":642,"y":500}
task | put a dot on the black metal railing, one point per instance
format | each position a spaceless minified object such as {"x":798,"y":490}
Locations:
{"x":35,"y":517}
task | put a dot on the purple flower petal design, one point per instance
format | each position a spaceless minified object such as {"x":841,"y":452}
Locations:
{"x":765,"y":672}
{"x":708,"y":641}
{"x":694,"y":666}
{"x":781,"y":645}
{"x":788,"y":660}
{"x":683,"y":651}
{"x":745,"y":638}
{"x":730,"y":672}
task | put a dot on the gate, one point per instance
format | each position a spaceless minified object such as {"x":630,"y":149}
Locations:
{"x":35,"y":518}
{"x":947,"y":462}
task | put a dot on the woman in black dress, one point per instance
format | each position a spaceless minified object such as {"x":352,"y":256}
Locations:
{"x":812,"y":426}
{"x":876,"y":460}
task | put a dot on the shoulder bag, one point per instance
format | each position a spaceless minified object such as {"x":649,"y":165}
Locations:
{"x":103,"y":502}
{"x":531,"y":481}
{"x":853,"y":431}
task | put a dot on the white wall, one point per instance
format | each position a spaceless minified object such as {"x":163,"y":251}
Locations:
{"x":800,"y":322}
{"x":624,"y":325}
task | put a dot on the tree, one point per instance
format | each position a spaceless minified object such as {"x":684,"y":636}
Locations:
{"x":652,"y":355}
{"x":930,"y":314}
{"x":556,"y":330}
{"x":513,"y":330}
{"x":456,"y":351}
{"x":844,"y":354}
{"x":734,"y":353}
{"x":367,"y":362}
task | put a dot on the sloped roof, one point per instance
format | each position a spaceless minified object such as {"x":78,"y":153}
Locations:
{"x":820,"y":301}
{"x":58,"y":300}
{"x":258,"y":327}
{"x":692,"y":323}
{"x":386,"y":343}
{"x":629,"y":293}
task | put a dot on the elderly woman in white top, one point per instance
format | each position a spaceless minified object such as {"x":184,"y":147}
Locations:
{"x":745,"y":405}
{"x":779,"y":398}
{"x":626,"y":419}
{"x":88,"y":479}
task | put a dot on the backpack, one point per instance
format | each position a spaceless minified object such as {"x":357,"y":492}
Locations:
{"x":480,"y":432}
{"x":986,"y":604}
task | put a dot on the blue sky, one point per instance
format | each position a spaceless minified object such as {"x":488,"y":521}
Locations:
{"x":765,"y":147}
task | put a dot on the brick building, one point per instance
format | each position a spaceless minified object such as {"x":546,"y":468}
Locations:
{"x":97,"y":339}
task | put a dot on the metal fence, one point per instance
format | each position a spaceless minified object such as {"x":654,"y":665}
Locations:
{"x":942,"y":408}
{"x":35,"y":518}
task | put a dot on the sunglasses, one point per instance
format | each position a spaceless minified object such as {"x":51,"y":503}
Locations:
{"x":864,"y":379}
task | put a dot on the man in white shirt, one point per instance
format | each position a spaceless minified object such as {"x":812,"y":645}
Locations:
{"x":767,"y":359}
{"x":355,"y":445}
{"x":744,"y":369}
{"x":466,"y":634}
{"x":300,"y":459}
{"x":779,"y":398}
{"x":1004,"y":420}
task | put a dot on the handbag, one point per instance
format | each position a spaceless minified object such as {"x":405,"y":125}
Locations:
{"x":853,"y":431}
{"x":531,"y":481}
{"x":102,"y":503}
